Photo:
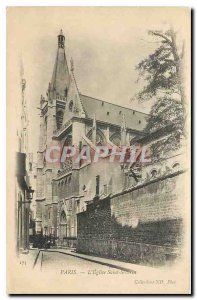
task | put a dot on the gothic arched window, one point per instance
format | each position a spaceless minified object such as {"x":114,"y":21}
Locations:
{"x":65,"y":92}
{"x":70,"y":105}
{"x":115,"y":139}
{"x":59,"y":118}
{"x":68,"y":140}
{"x":69,"y":179}
{"x":100,"y":138}
{"x":45,"y":129}
{"x":63,"y":225}
{"x":63,"y":217}
{"x":30,"y":166}
{"x":66,"y":161}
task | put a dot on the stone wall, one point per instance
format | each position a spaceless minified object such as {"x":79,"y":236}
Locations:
{"x":111,"y":179}
{"x":96,"y":221}
{"x":156,"y":200}
{"x":143,"y":224}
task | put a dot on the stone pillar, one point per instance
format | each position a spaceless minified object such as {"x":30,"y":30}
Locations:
{"x":94,"y":130}
{"x":51,"y":123}
{"x":24,"y":222}
{"x":107,"y":133}
{"x":78,"y":131}
{"x":123,"y":131}
{"x":41,"y":136}
{"x":48,"y":186}
{"x":128,"y":139}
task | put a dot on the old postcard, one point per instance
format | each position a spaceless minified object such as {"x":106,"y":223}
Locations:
{"x":98,"y":150}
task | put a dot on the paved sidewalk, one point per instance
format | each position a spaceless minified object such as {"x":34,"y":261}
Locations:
{"x":29,"y":257}
{"x":124,"y":266}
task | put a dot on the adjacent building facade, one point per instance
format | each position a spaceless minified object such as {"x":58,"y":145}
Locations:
{"x":23,"y":190}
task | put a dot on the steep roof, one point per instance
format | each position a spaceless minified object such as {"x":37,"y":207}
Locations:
{"x":112,"y":113}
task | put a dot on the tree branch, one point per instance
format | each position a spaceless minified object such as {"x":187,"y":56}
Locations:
{"x":156,"y":33}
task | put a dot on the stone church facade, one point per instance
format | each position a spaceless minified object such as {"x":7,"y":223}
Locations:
{"x":69,"y":118}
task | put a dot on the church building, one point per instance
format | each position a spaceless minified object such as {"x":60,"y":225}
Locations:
{"x":69,"y":118}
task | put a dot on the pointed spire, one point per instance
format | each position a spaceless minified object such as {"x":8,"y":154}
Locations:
{"x":24,"y":112}
{"x":60,"y":78}
{"x":23,"y":81}
{"x":94,"y":122}
{"x":110,"y":185}
{"x":123,"y":131}
{"x":123,"y":126}
{"x":94,"y":130}
{"x":74,"y":96}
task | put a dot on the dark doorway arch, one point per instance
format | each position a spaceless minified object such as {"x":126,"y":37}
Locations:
{"x":63,"y":225}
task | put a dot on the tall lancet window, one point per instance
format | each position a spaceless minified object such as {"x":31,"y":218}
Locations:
{"x":116,"y":139}
{"x":59,"y":118}
{"x":65,"y":92}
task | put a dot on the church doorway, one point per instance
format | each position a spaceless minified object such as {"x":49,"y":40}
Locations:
{"x":63,"y":226}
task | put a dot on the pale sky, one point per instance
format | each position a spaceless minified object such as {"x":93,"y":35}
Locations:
{"x":105,"y":44}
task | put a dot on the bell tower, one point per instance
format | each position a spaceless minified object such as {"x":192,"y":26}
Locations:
{"x":58,"y":87}
{"x":51,"y":117}
{"x":61,"y":40}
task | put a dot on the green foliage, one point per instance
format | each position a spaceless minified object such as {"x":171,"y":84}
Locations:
{"x":166,"y":112}
{"x":167,"y":121}
{"x":161,"y":71}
